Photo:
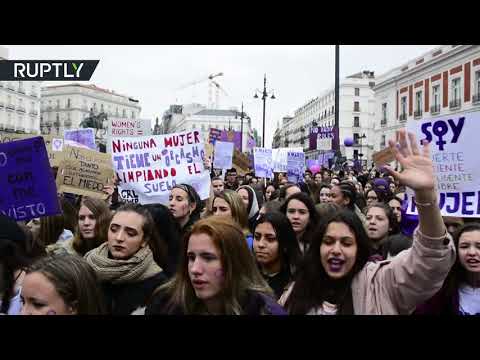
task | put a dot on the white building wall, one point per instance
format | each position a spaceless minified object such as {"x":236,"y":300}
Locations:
{"x":55,"y":104}
{"x":417,"y":70}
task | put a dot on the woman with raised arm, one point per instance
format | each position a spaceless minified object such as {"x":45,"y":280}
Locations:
{"x":337,"y":276}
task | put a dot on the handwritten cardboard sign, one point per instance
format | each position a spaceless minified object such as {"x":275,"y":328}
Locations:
{"x":241,"y":162}
{"x":84,"y":172}
{"x":453,"y":148}
{"x":151,"y":166}
{"x":27,"y":187}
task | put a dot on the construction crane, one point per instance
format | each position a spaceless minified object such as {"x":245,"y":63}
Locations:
{"x":211,"y":86}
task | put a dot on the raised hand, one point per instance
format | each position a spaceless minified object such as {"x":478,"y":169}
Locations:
{"x":417,"y":168}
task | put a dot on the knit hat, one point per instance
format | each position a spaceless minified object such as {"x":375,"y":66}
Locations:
{"x":9,"y":230}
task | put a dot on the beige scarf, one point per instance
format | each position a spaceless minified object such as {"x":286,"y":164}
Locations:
{"x":139,"y":267}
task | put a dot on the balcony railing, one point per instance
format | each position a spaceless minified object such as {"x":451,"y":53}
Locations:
{"x":476,"y":98}
{"x":403,"y":117}
{"x":454,"y":104}
{"x":33,"y":112}
{"x":2,"y":104}
{"x":21,"y":109}
{"x":34,"y":94}
{"x":21,"y":90}
{"x":418,"y":113}
{"x":10,"y":107}
{"x":383,"y":122}
{"x":435,"y":109}
{"x":10,"y":86}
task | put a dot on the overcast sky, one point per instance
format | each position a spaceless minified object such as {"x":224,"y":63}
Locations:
{"x":296,"y":73}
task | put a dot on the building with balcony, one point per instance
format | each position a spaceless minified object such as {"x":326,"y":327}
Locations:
{"x":19,"y":104}
{"x":197,"y":117}
{"x":445,"y":80}
{"x":356,"y":118}
{"x":66,"y":106}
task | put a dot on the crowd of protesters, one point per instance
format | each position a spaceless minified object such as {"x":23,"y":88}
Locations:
{"x":336,"y":242}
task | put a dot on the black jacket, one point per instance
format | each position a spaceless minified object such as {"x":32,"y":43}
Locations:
{"x":279,"y":281}
{"x":254,"y":304}
{"x":123,"y":299}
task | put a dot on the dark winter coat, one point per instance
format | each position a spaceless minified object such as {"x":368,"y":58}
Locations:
{"x":124,"y":298}
{"x":255,"y":304}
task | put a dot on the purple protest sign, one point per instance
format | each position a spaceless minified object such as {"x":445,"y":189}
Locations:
{"x":232,"y":136}
{"x":84,"y":138}
{"x":318,"y":135}
{"x":26,"y":180}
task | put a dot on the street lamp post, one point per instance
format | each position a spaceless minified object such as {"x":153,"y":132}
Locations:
{"x":241,"y":126}
{"x":264,"y":98}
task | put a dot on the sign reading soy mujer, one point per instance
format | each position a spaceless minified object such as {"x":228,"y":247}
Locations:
{"x":27,"y":187}
{"x":454,"y":151}
{"x":150,"y":166}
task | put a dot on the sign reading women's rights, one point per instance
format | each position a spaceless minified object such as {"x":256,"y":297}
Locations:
{"x":295,"y":166}
{"x":127,"y":128}
{"x":26,"y":180}
{"x":453,"y":142}
{"x":84,"y":172}
{"x":223,"y":155}
{"x":262,"y":160}
{"x":150,"y":166}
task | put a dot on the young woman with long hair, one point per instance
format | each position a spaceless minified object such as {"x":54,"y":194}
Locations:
{"x":185,"y":205}
{"x":61,"y":284}
{"x":460,"y":293}
{"x":125,"y":264}
{"x":217,"y":275}
{"x":91,"y":231}
{"x":300,"y":210}
{"x":230,"y":204}
{"x":276,"y":250}
{"x":337,"y":276}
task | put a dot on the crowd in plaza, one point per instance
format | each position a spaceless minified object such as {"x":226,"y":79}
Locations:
{"x":335,"y":242}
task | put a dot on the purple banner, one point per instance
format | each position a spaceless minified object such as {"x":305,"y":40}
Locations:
{"x":232,"y":136}
{"x":320,"y":132}
{"x":84,"y":138}
{"x":27,"y":185}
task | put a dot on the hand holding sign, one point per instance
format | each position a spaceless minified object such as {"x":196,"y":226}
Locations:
{"x":418,"y":168}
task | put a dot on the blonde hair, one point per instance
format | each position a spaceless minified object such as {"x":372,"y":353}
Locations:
{"x":237,"y":207}
{"x":239,"y":268}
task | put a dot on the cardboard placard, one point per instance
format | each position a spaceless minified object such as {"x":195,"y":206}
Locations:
{"x":383,"y":157}
{"x":84,"y":172}
{"x":241,"y":162}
